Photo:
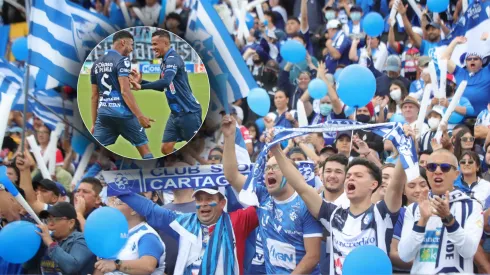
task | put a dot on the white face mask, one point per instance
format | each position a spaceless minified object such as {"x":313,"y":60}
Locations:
{"x":433,"y":123}
{"x":396,"y":94}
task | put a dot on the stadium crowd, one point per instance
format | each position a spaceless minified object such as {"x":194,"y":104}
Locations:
{"x":436,"y":223}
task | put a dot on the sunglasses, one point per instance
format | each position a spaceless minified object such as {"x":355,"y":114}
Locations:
{"x":466,"y":161}
{"x":214,"y":157}
{"x":445,"y":167}
{"x":54,"y":219}
{"x":467,"y":139}
{"x":472,"y":59}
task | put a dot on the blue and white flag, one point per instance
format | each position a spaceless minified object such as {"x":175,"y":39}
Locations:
{"x":142,"y":180}
{"x":228,"y":74}
{"x":61,"y":36}
{"x":42,"y":80}
{"x":391,"y":131}
{"x":11,"y":82}
{"x":474,"y":23}
{"x":53,"y":100}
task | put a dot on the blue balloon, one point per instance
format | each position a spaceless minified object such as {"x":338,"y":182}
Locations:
{"x":336,"y":75}
{"x":106,"y":232}
{"x":356,"y":86}
{"x":261,"y":126}
{"x":349,"y":111}
{"x":19,"y":48}
{"x":367,"y":259}
{"x":437,"y":5}
{"x":293,"y":51}
{"x":373,"y":24}
{"x":79,"y":143}
{"x":259,"y":101}
{"x":397,"y":118}
{"x":20,"y":242}
{"x":249,"y":20}
{"x":317,"y":88}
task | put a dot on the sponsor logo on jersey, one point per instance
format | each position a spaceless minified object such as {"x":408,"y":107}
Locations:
{"x":428,"y":254}
{"x":356,"y":243}
{"x":432,"y":237}
{"x":281,"y":254}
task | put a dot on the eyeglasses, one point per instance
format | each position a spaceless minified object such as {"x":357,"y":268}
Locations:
{"x":472,"y":59}
{"x":54,"y":219}
{"x":466,"y":162}
{"x":273,"y":167}
{"x":214,"y":157}
{"x":467,"y":139}
{"x":445,"y":167}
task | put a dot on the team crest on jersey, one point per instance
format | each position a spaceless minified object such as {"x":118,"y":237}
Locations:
{"x":278,"y":213}
{"x":293,"y":216}
{"x":367,"y":219}
{"x":127,"y":63}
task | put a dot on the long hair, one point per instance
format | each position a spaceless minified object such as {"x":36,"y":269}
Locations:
{"x":474,"y":156}
{"x":423,"y":174}
{"x":458,"y":149}
{"x":392,"y":103}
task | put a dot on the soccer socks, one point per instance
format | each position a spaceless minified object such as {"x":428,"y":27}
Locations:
{"x":148,"y":156}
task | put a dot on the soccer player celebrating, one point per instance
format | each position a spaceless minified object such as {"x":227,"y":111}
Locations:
{"x":362,"y":223}
{"x":185,"y":118}
{"x":114,"y":108}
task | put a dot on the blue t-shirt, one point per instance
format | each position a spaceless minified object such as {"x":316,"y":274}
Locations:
{"x":283,"y":226}
{"x":342,"y":43}
{"x":175,"y":83}
{"x":478,"y":87}
{"x":105,"y":73}
{"x":456,"y":118}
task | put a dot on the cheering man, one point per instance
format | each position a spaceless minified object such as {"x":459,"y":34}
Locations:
{"x":185,"y":118}
{"x":114,"y":108}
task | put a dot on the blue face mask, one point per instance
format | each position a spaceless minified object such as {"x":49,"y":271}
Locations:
{"x":325,"y":109}
{"x":355,"y":16}
{"x":329,"y":15}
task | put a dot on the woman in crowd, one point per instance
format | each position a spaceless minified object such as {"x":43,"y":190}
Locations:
{"x":64,"y":251}
{"x":387,"y":106}
{"x":471,"y":182}
{"x":413,"y":190}
{"x":254,"y":133}
{"x":465,"y":141}
{"x":144,"y":252}
{"x":486,"y":175}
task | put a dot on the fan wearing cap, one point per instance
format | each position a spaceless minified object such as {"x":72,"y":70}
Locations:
{"x":410,"y":111}
{"x":374,"y":51}
{"x":463,"y":107}
{"x":354,"y":25}
{"x":337,"y":46}
{"x":477,"y":76}
{"x":196,"y":232}
{"x":433,"y":119}
{"x":279,"y":207}
{"x":144,"y":251}
{"x":295,"y":26}
{"x":65,"y":250}
{"x":417,"y":86}
{"x":433,"y":34}
{"x":393,"y":72}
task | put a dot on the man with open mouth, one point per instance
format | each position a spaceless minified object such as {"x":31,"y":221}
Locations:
{"x":291,"y":237}
{"x":362,"y":223}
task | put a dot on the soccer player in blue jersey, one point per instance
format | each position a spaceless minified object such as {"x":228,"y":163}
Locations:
{"x":114,"y":108}
{"x":291,"y":237}
{"x":185,"y":118}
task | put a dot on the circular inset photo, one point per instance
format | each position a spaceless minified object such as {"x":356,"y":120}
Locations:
{"x":143,"y":92}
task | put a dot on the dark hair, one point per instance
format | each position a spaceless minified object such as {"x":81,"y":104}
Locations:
{"x":392,"y":103}
{"x":294,"y":19}
{"x":298,"y":36}
{"x":161,"y":33}
{"x":95,"y":182}
{"x":284,"y":92}
{"x":458,"y":149}
{"x":473,"y":155}
{"x":423,"y":174}
{"x":374,"y":170}
{"x":296,"y":150}
{"x":16,"y":170}
{"x":339,"y":158}
{"x":121,"y":35}
{"x":174,"y":15}
{"x":461,"y":127}
{"x":424,"y":152}
{"x":271,"y":15}
{"x":449,"y":90}
{"x":216,"y":149}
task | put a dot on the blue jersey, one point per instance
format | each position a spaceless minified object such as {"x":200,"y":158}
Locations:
{"x":175,"y":83}
{"x":105,"y":73}
{"x":283,"y":226}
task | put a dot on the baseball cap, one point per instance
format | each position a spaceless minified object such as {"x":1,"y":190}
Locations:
{"x":239,"y":112}
{"x":15,"y":129}
{"x":60,"y":209}
{"x":209,"y":190}
{"x":327,"y":148}
{"x":61,"y":188}
{"x":333,"y":24}
{"x":411,"y":100}
{"x":432,"y":24}
{"x":393,"y":63}
{"x":48,"y":185}
{"x":344,"y":133}
{"x":423,"y":60}
{"x":438,"y":110}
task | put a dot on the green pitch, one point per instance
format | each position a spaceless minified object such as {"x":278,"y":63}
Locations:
{"x":153,"y":104}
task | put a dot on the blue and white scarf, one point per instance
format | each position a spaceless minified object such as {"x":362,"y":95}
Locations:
{"x":391,"y":131}
{"x":220,"y":254}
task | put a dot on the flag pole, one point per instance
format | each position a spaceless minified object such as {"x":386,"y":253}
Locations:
{"x":60,"y":117}
{"x":26,"y":80}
